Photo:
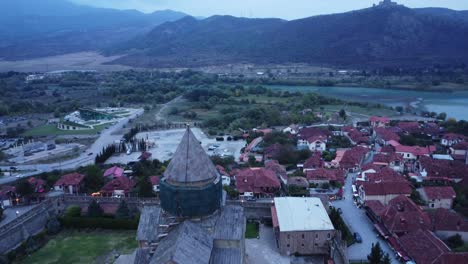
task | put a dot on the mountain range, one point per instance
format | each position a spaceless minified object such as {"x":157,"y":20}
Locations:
{"x":373,"y":37}
{"x":54,"y":27}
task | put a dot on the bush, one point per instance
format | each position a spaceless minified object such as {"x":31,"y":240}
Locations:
{"x":94,"y":209}
{"x":455,"y":241}
{"x":99,"y":222}
{"x":73,"y":211}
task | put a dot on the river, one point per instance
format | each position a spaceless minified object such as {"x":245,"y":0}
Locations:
{"x":455,"y":104}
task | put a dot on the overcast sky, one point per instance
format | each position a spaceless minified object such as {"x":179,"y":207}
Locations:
{"x":287,"y":9}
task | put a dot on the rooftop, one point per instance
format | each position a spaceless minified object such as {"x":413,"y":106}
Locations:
{"x":301,"y":214}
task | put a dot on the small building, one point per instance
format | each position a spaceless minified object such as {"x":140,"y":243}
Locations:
{"x":302,"y":226}
{"x":413,"y":153}
{"x":7,"y":196}
{"x":377,"y":121}
{"x":72,"y":183}
{"x":114,"y":172}
{"x":321,"y":176}
{"x":314,"y":162}
{"x":155,"y":183}
{"x":352,"y":159}
{"x":261,"y":182}
{"x":383,"y":191}
{"x":459,"y":151}
{"x":292,"y":129}
{"x":451,"y":139}
{"x":118,"y":187}
{"x":438,"y":196}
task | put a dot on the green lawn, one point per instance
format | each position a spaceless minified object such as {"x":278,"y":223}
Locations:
{"x":82,"y":247}
{"x":463,"y":248}
{"x":251,"y":230}
{"x":52,"y":130}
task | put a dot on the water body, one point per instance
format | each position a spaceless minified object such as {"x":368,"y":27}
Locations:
{"x":455,"y":104}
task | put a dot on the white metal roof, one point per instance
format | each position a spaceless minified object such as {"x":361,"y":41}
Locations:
{"x":301,"y":214}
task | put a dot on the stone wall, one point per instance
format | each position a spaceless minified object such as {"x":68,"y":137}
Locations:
{"x":27,"y":225}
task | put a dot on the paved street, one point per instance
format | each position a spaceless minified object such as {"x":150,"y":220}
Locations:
{"x":108,"y":136}
{"x":264,"y":250}
{"x":10,"y":213}
{"x":359,"y":222}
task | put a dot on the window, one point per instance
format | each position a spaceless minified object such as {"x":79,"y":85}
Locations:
{"x":316,"y":236}
{"x":303,"y":236}
{"x":287,"y":245}
{"x":289,"y":236}
{"x":302,"y":245}
{"x":329,"y":235}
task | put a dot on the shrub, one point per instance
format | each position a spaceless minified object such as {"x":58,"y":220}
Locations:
{"x":99,"y":222}
{"x":455,"y":241}
{"x":73,"y":211}
{"x":94,"y":209}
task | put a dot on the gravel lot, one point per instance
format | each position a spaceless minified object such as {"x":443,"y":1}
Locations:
{"x":168,"y":140}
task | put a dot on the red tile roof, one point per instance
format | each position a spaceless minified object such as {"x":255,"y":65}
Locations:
{"x":386,"y":188}
{"x":315,"y":161}
{"x":256,"y":180}
{"x":298,"y":181}
{"x":386,"y":134}
{"x":445,"y":220}
{"x":403,"y":215}
{"x":114,"y":172}
{"x":325,"y":175}
{"x":121,"y":183}
{"x":353,"y":157}
{"x":386,"y":159}
{"x":70,"y":179}
{"x":423,"y":246}
{"x":415,"y":150}
{"x":453,"y":169}
{"x":461,"y":146}
{"x":38,"y":184}
{"x":385,"y":175}
{"x":376,"y":206}
{"x":309,"y":132}
{"x":453,"y":136}
{"x":155,"y":180}
{"x":273,"y":151}
{"x":439,"y":192}
{"x":274,"y":165}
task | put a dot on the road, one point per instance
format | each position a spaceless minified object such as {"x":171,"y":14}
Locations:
{"x":358,"y":222}
{"x":107,"y":137}
{"x":160,"y":113}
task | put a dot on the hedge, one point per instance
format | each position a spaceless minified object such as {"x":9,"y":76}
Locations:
{"x":99,"y":222}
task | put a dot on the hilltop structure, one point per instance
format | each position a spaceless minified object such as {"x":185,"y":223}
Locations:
{"x":192,"y":225}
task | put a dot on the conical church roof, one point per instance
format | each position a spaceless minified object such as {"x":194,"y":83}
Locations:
{"x":190,"y":163}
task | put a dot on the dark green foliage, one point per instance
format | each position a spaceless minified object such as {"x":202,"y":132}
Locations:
{"x":106,"y":153}
{"x":297,"y":191}
{"x":24,"y":188}
{"x":73,"y":211}
{"x":328,"y":156}
{"x":277,"y":138}
{"x":53,"y":225}
{"x":233,"y":193}
{"x":455,"y":241}
{"x":94,"y":209}
{"x":416,"y":197}
{"x":336,"y":142}
{"x":99,"y":222}
{"x":94,"y":179}
{"x":453,"y":126}
{"x":343,"y":114}
{"x":1,"y":213}
{"x":145,"y":188}
{"x":123,"y":212}
{"x":339,"y":224}
{"x":377,"y":255}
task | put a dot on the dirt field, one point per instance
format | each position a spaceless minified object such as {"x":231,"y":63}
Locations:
{"x":73,"y":61}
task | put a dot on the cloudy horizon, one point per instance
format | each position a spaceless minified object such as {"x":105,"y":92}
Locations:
{"x":286,"y":9}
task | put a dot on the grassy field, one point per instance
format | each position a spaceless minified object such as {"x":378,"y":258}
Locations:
{"x":463,"y":248}
{"x":251,"y":230}
{"x":52,"y":130}
{"x":82,"y":247}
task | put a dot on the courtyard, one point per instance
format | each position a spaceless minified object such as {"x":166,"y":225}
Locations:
{"x":84,"y":247}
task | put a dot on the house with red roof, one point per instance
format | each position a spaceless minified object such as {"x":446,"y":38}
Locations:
{"x":279,"y":170}
{"x":314,"y":139}
{"x":353,"y":158}
{"x":321,"y":176}
{"x":261,"y":182}
{"x":391,"y":160}
{"x":383,"y":175}
{"x":423,"y":247}
{"x":377,"y":121}
{"x":72,"y":183}
{"x":384,"y":135}
{"x":412,"y":153}
{"x":114,"y":172}
{"x":446,"y":223}
{"x":7,"y":196}
{"x":118,"y":187}
{"x":438,"y":196}
{"x":314,"y":162}
{"x":459,"y":151}
{"x":451,"y":139}
{"x":441,"y":170}
{"x":383,"y":191}
{"x":39,"y":185}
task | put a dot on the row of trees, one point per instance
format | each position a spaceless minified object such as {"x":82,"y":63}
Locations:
{"x":106,"y":153}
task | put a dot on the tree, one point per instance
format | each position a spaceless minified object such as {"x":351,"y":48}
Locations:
{"x":24,"y":188}
{"x":123,"y":212}
{"x":94,"y":178}
{"x":386,"y":259}
{"x":455,"y":241}
{"x":94,"y":209}
{"x":1,"y":212}
{"x":342,"y":114}
{"x":442,"y":116}
{"x":376,"y":256}
{"x":145,"y":188}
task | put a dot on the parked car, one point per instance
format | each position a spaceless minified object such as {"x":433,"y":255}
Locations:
{"x":357,"y":237}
